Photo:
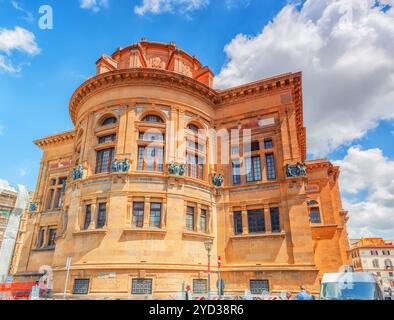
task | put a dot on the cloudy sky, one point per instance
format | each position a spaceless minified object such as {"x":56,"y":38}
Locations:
{"x":345,"y":49}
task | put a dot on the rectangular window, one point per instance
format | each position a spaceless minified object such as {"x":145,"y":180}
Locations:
{"x":253,"y":169}
{"x":195,"y":166}
{"x":142,"y":286}
{"x":203,"y":221}
{"x":109,"y":138}
{"x":51,"y":237}
{"x":81,"y":286}
{"x":50,"y":198}
{"x":190,"y":219}
{"x":150,"y":159}
{"x":235,"y":150}
{"x":102,"y":215}
{"x":238,"y":228}
{"x":88,"y":217}
{"x":275,"y":220}
{"x":62,"y":182}
{"x":236,"y":172}
{"x":268,"y":144}
{"x":59,"y":198}
{"x":138,"y":214}
{"x":259,"y":286}
{"x":200,"y":286}
{"x":315,"y":215}
{"x":140,"y":164}
{"x":195,"y":145}
{"x":40,"y":240}
{"x":155,"y":215}
{"x":271,"y":174}
{"x":256,"y":221}
{"x":255,"y":146}
{"x":104,"y":161}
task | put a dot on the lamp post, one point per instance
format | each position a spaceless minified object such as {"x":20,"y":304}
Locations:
{"x":208,"y":246}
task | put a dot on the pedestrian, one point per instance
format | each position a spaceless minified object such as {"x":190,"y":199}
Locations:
{"x":303,"y":295}
{"x":188,"y":293}
{"x":289,"y":295}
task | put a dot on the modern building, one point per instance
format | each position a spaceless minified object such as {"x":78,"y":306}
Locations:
{"x":374,"y":255}
{"x":160,"y":162}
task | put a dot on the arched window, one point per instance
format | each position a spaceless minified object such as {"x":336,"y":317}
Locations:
{"x":195,"y":153}
{"x":312,"y":203}
{"x":375,"y":263}
{"x":388,"y":264}
{"x":151,"y":146}
{"x":109,"y":120}
{"x":153,"y":119}
{"x":193,"y":127}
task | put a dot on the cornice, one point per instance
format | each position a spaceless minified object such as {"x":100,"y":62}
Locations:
{"x":215,"y":98}
{"x":56,"y":139}
{"x":148,"y":76}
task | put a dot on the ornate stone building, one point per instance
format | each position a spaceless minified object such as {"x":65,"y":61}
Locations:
{"x":133,"y":192}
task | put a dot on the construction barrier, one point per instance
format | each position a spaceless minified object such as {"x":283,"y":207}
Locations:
{"x":17,"y":291}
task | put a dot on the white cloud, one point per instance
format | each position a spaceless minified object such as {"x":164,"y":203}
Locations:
{"x":94,"y":5}
{"x":17,"y":39}
{"x":368,"y":174}
{"x":5,"y":185}
{"x":345,"y":51}
{"x":169,"y":6}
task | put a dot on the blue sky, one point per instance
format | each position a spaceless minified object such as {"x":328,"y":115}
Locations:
{"x":348,"y":75}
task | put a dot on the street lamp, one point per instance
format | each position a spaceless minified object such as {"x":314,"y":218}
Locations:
{"x":208,"y":246}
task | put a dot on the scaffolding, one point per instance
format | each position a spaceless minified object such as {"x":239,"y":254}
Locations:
{"x":12,"y":222}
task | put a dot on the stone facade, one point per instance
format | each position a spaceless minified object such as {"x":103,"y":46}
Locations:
{"x":374,"y":255}
{"x":138,"y":230}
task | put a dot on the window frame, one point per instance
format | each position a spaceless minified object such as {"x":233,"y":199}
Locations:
{"x":101,"y":221}
{"x":154,"y":212}
{"x":137,"y":220}
{"x":100,"y":156}
{"x":271,"y":170}
{"x":256,"y":221}
{"x":253,"y":288}
{"x":275,"y":215}
{"x":190,"y":217}
{"x":204,"y":213}
{"x":110,"y":120}
{"x":238,"y":223}
{"x":199,"y":289}
{"x":86,"y":288}
{"x":253,"y":169}
{"x":139,"y":290}
{"x":87,"y":217}
{"x":313,"y":217}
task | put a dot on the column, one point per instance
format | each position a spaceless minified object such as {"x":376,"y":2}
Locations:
{"x":164,"y":209}
{"x":245,"y":224}
{"x":147,"y":212}
{"x":197,"y":217}
{"x":93,"y":215}
{"x":267,"y":219}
